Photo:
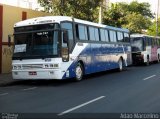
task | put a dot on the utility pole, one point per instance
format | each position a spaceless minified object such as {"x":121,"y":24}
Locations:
{"x":100,"y":12}
{"x":157,"y":18}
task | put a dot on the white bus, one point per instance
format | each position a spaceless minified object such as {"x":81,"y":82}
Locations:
{"x":145,"y":48}
{"x":61,"y":47}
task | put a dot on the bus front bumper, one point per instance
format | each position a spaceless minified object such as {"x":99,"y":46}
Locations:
{"x":42,"y":74}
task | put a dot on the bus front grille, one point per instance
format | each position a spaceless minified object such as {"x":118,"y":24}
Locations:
{"x":32,"y":66}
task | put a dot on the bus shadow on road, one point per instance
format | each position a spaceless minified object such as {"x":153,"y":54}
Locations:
{"x":44,"y":82}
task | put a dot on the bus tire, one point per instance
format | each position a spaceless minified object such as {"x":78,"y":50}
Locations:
{"x":79,"y":72}
{"x":120,"y":65}
{"x":147,"y":63}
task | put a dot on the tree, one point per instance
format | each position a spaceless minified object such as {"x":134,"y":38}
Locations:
{"x":152,"y":29}
{"x":46,"y":4}
{"x":134,"y":16}
{"x":141,"y":8}
{"x":135,"y":22}
{"x":82,"y":9}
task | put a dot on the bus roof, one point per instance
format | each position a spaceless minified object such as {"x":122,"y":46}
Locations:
{"x":139,"y":35}
{"x":58,"y":19}
{"x":143,"y":35}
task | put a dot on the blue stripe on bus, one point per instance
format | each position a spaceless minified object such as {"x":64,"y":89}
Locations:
{"x":94,"y":58}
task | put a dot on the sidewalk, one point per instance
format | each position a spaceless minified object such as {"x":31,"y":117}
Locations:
{"x":6,"y":79}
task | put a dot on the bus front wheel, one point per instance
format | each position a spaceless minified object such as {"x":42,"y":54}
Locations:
{"x":79,"y":72}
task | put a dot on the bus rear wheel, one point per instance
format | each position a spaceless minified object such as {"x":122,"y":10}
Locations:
{"x":147,"y":63}
{"x":79,"y":72}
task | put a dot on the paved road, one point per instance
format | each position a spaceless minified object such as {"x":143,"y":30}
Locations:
{"x":135,"y":90}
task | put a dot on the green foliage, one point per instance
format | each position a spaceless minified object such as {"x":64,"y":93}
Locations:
{"x":82,"y":9}
{"x":46,"y":4}
{"x":134,"y":16}
{"x":135,"y":22}
{"x":114,"y":15}
{"x":141,"y":8}
{"x":152,"y":29}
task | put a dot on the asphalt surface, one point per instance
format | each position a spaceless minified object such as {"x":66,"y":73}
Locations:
{"x":135,"y":90}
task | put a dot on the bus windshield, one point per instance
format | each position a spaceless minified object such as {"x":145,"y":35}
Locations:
{"x":137,"y":44}
{"x":42,"y":42}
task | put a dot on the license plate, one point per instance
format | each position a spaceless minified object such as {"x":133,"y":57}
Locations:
{"x":33,"y":73}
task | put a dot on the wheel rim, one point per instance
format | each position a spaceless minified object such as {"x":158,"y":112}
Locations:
{"x":120,"y":65}
{"x":79,"y":72}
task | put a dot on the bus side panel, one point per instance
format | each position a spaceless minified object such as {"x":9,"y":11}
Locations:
{"x":95,"y":60}
{"x":86,"y":57}
{"x":82,"y":53}
{"x":154,"y":53}
{"x":97,"y":57}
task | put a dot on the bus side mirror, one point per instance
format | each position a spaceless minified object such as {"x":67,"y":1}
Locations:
{"x":9,"y":40}
{"x":65,"y":37}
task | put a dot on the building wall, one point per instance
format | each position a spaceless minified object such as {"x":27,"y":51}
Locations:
{"x":9,"y":15}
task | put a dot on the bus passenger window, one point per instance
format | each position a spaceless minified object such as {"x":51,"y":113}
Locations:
{"x":106,"y":34}
{"x":112,"y":35}
{"x":102,"y":34}
{"x":126,"y":37}
{"x":91,"y":34}
{"x":149,"y":41}
{"x":120,"y":36}
{"x":82,"y":32}
{"x":96,"y":34}
{"x":152,"y":41}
